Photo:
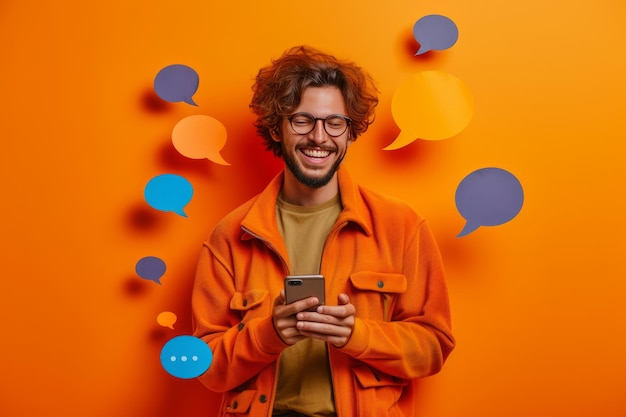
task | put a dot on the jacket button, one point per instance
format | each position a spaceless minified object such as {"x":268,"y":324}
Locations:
{"x":245,"y":302}
{"x":381,"y":284}
{"x":235,"y":405}
{"x":240,"y":326}
{"x":263,"y":398}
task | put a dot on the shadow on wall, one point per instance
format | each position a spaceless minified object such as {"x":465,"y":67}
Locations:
{"x":153,"y":104}
{"x":141,"y":219}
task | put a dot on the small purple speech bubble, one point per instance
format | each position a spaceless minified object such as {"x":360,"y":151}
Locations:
{"x":435,"y":32}
{"x":176,"y":83}
{"x":488,"y":197}
{"x":150,"y":268}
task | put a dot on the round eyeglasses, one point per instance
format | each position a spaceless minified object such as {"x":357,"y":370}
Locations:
{"x":304,"y":123}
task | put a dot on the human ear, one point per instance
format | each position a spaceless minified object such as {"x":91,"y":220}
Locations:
{"x":275,"y":135}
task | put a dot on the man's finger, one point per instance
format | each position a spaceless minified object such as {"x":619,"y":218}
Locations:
{"x":343,"y":299}
{"x":280,"y":300}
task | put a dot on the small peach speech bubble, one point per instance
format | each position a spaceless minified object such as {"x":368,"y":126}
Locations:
{"x":199,"y":137}
{"x":430,"y":105}
{"x":167,"y":319}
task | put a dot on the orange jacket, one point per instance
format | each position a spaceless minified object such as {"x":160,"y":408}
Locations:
{"x":379,"y":252}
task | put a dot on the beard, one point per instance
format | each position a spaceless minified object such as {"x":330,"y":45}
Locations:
{"x":309,"y":181}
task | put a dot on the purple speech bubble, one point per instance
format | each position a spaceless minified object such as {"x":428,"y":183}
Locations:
{"x":150,"y":268}
{"x":488,"y":197}
{"x":176,"y":83}
{"x":435,"y":32}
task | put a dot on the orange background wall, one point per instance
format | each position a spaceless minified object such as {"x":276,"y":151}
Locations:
{"x":538,"y":302}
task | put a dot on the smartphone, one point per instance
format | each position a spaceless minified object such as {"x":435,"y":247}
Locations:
{"x":298,"y":287}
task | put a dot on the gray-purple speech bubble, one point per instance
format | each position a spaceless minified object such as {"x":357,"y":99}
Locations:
{"x":150,"y":268}
{"x":435,"y":32}
{"x":488,"y":197}
{"x":176,"y":83}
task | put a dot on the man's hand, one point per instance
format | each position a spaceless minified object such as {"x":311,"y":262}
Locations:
{"x":332,"y":324}
{"x":284,"y":316}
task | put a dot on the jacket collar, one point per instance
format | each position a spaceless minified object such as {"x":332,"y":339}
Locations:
{"x":260,"y":220}
{"x":354,"y":206}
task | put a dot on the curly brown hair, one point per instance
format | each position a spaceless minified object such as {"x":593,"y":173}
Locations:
{"x":278,"y":89}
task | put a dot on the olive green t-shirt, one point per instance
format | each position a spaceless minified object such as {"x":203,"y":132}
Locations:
{"x":304,"y":382}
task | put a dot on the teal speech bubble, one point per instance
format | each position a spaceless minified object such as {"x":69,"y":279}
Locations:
{"x":169,"y":192}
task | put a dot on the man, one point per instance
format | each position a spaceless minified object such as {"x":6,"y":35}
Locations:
{"x":386,"y":319}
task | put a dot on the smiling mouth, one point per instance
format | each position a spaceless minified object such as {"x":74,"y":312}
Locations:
{"x":315,"y":153}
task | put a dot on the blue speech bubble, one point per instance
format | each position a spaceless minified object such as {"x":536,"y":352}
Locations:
{"x":169,"y":192}
{"x":150,"y":268}
{"x":176,"y":83}
{"x":488,"y":197}
{"x":186,"y":357}
{"x":435,"y":32}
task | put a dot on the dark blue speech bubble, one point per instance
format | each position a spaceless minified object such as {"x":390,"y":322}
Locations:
{"x":186,"y":357}
{"x":169,"y":192}
{"x":435,"y":32}
{"x":150,"y":268}
{"x":176,"y":83}
{"x":488,"y":197}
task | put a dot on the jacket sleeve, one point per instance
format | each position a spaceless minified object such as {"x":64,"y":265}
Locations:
{"x":240,"y":350}
{"x":417,"y":339}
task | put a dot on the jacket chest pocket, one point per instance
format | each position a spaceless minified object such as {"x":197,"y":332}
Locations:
{"x":251,"y":303}
{"x":374,"y":293}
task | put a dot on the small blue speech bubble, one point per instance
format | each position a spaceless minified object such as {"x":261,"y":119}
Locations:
{"x":186,"y":357}
{"x":169,"y":192}
{"x":176,"y":83}
{"x":150,"y":268}
{"x":488,"y":197}
{"x":435,"y":32}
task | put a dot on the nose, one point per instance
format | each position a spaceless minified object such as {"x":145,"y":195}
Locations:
{"x":318,"y":134}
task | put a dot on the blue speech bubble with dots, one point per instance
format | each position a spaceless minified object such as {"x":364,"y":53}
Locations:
{"x":186,"y":357}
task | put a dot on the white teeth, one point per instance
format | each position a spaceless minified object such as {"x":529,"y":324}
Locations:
{"x":315,"y":153}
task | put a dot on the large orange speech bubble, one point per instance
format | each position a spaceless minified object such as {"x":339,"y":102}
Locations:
{"x":430,"y":105}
